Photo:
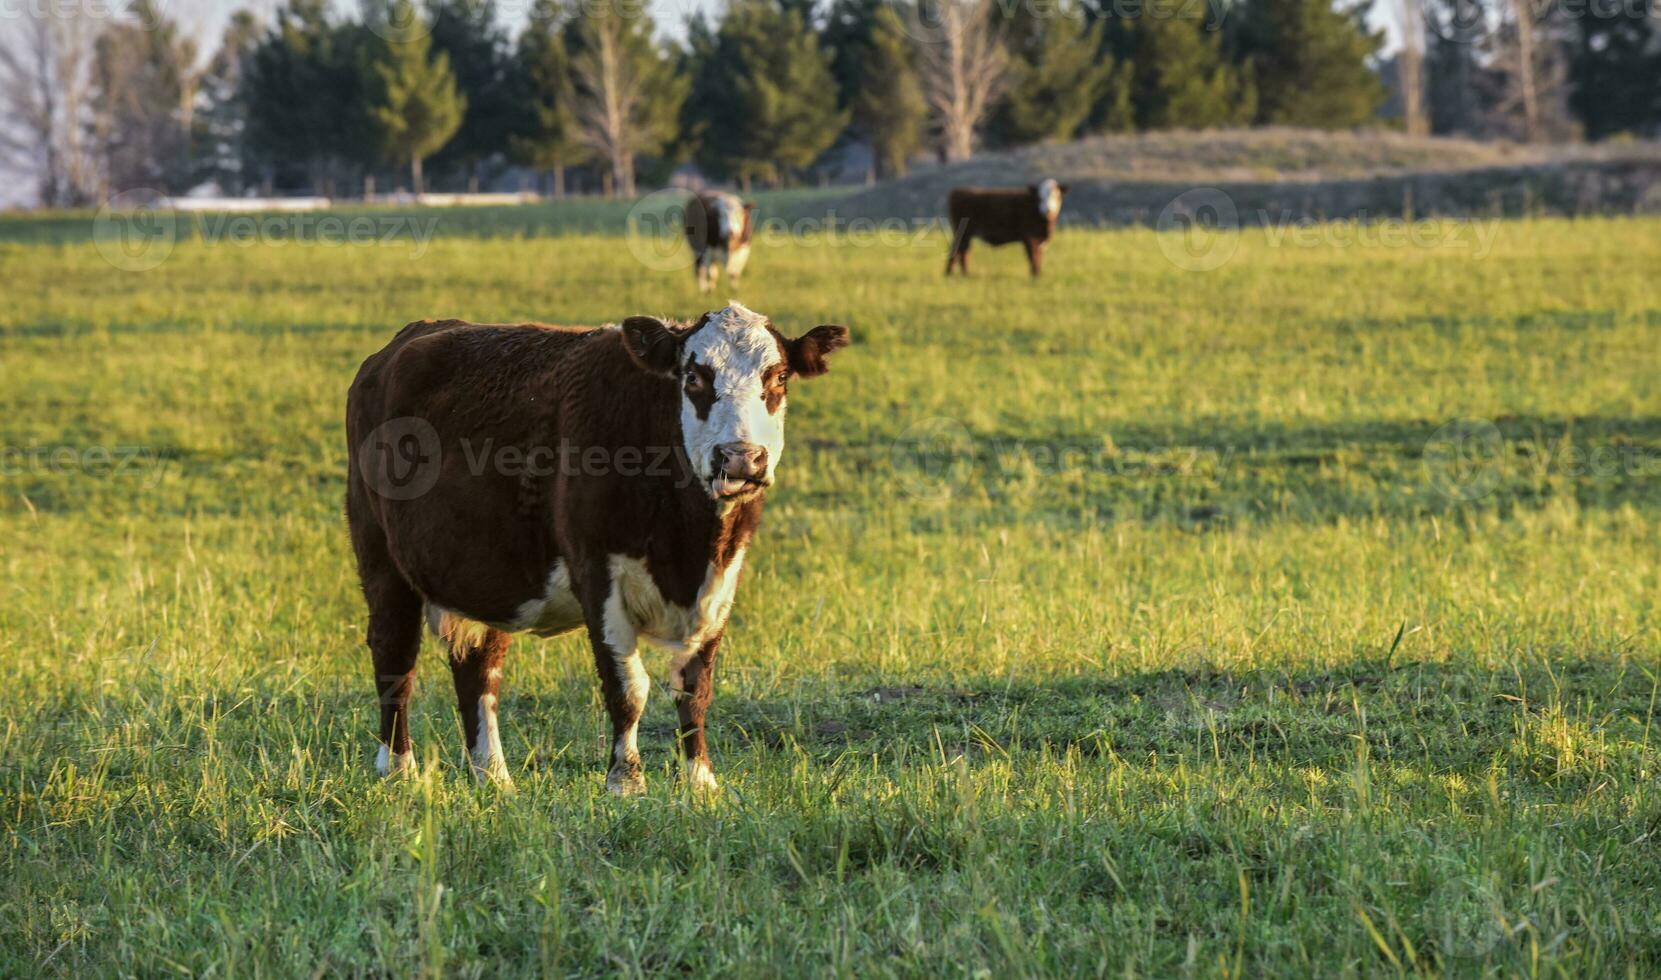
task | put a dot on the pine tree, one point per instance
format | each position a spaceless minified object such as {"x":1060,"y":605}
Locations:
{"x":416,"y":107}
{"x":466,"y":31}
{"x":890,"y":106}
{"x":221,"y":134}
{"x":768,"y":91}
{"x":303,"y":91}
{"x":1180,"y":78}
{"x":849,"y":32}
{"x":1062,"y":78}
{"x":1616,"y":69}
{"x":709,"y":98}
{"x":545,"y":128}
{"x":1310,"y":61}
{"x":1455,"y":78}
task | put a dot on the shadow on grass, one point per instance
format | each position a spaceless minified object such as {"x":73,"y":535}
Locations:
{"x":1451,"y":717}
{"x":1204,"y":475}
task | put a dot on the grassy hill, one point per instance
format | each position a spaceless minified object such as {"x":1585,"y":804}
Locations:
{"x":1311,"y":174}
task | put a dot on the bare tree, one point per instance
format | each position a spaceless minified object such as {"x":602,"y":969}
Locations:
{"x":45,"y":79}
{"x":627,"y":94}
{"x":145,"y":84}
{"x":1523,"y":68}
{"x":1410,"y":72}
{"x":964,"y":67}
{"x":1531,"y":60}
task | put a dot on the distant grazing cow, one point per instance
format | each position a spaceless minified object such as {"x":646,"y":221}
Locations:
{"x":718,"y":229}
{"x":540,"y":479}
{"x":998,"y":216}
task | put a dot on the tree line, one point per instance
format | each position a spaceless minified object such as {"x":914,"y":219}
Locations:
{"x":401,"y":94}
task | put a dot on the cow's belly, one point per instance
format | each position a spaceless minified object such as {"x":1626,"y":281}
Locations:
{"x":550,"y":610}
{"x":998,"y":237}
{"x":635,"y":606}
{"x":554,"y":612}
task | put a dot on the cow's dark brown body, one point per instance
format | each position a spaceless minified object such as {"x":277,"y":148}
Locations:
{"x":999,"y":216}
{"x":550,"y":489}
{"x":553,"y":396}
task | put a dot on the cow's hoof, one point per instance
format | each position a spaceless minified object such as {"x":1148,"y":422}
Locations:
{"x":626,"y":782}
{"x":495,"y":773}
{"x":700,"y":780}
{"x":388,"y":764}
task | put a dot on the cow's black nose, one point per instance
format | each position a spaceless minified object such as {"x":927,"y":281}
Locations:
{"x":741,"y":460}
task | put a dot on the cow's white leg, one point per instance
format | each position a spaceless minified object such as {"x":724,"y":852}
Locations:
{"x":717,"y":257}
{"x":626,"y":684}
{"x":387,"y":763}
{"x":691,"y":676}
{"x":394,"y":640}
{"x":484,"y":755}
{"x":736,"y":262}
{"x":476,"y":656}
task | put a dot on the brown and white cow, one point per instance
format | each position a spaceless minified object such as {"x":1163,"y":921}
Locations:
{"x":998,"y":216}
{"x":539,"y":479}
{"x":718,"y":230}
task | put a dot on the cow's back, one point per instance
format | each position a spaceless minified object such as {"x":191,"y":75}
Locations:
{"x":996,"y":215}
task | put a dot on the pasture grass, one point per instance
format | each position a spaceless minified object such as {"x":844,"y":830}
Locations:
{"x":1296,"y":617}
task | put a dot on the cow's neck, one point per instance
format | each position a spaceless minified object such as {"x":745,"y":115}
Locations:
{"x":707,"y":527}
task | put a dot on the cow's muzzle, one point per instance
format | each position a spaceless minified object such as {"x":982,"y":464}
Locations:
{"x":740,"y":468}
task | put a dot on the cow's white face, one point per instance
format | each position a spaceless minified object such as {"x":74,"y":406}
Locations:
{"x":732,"y":401}
{"x":729,"y":216}
{"x":733,"y":369}
{"x":1049,"y":198}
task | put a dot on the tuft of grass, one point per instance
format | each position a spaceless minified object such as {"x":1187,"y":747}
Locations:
{"x":1130,"y":621}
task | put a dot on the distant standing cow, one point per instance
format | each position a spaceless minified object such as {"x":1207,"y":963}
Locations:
{"x":718,"y":229}
{"x":543,"y":479}
{"x":998,"y":216}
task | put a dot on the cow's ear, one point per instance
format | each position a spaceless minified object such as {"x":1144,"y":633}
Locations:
{"x":1064,"y":188}
{"x":652,"y":344}
{"x":809,"y":353}
{"x":749,"y":205}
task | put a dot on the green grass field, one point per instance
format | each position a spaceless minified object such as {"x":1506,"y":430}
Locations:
{"x":1292,"y":618}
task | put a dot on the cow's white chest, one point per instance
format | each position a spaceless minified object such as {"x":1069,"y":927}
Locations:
{"x":636,"y":605}
{"x":556,"y":611}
